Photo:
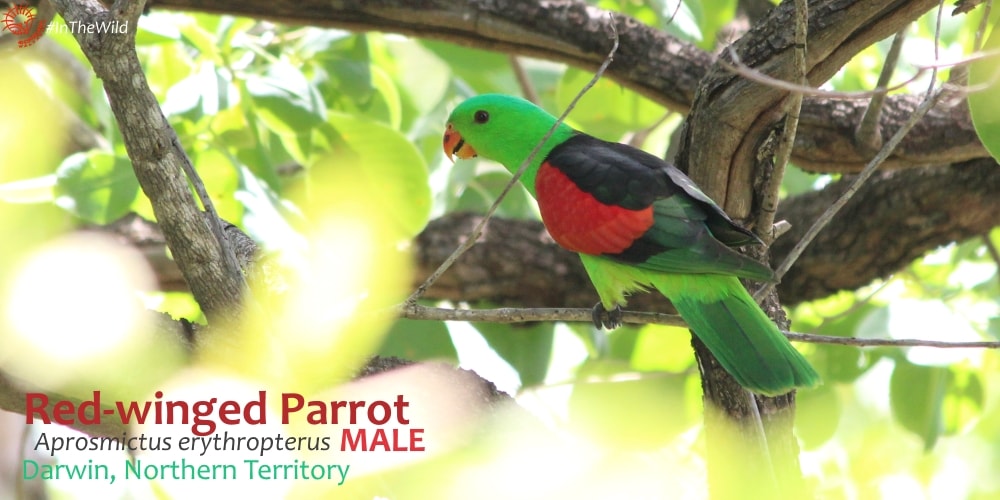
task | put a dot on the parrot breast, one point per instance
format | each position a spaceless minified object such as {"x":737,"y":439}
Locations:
{"x":581,"y":223}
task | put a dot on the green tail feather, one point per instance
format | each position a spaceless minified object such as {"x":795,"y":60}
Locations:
{"x":744,"y":340}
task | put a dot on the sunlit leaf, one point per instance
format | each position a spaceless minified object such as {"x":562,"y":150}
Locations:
{"x":984,"y":104}
{"x":665,"y":348}
{"x":205,"y":92}
{"x":817,"y":415}
{"x":389,"y":166}
{"x":197,"y":32}
{"x":285,"y":101}
{"x":608,"y":109}
{"x":798,"y":181}
{"x":156,"y":29}
{"x":527,"y":349}
{"x":96,"y":186}
{"x":712,"y":16}
{"x":837,"y":363}
{"x":419,"y":340}
{"x":963,"y":403}
{"x":916,"y":395}
{"x":483,"y":190}
{"x":482,"y":70}
{"x":421,"y":76}
{"x":626,"y":410}
{"x":166,"y":66}
{"x":221,"y":180}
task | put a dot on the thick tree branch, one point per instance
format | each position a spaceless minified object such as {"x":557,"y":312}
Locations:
{"x":896,"y":217}
{"x":893,"y":219}
{"x":735,"y":114}
{"x":824,"y":141}
{"x":157,"y":158}
{"x":654,"y":64}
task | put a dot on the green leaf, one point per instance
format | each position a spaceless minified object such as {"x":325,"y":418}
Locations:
{"x":393,"y":169}
{"x":482,"y":70}
{"x":156,"y":28}
{"x":837,"y":363}
{"x":528,"y":349}
{"x":712,"y":16}
{"x":817,"y":415}
{"x":622,"y":409}
{"x":984,"y":105}
{"x":483,"y":190}
{"x":285,"y":101}
{"x":798,"y":181}
{"x":916,"y":396}
{"x":420,"y":75}
{"x":419,"y":340}
{"x":96,"y":186}
{"x":607,"y":110}
{"x":663,"y":348}
{"x":345,"y":68}
{"x":599,"y":344}
{"x":165,"y":66}
{"x":198,"y":32}
{"x":203,"y":93}
{"x":221,"y":179}
{"x":931,"y":401}
{"x":963,"y":403}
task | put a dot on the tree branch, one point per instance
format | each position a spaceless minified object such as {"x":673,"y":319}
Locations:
{"x":654,"y":64}
{"x":583,"y":315}
{"x":747,"y":110}
{"x":157,"y":158}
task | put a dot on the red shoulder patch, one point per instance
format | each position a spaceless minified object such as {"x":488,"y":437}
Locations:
{"x":580,"y":223}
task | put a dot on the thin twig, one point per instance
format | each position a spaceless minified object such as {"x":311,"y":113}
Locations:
{"x":859,"y":342}
{"x":528,"y":315}
{"x":581,"y":315}
{"x":473,"y":237}
{"x":739,"y":68}
{"x":984,"y":22}
{"x":523,"y":81}
{"x":929,"y":101}
{"x":793,"y":105}
{"x":868,"y":132}
{"x":639,"y":136}
{"x":214,"y":222}
{"x":772,"y":190}
{"x":670,"y":20}
{"x":992,"y":250}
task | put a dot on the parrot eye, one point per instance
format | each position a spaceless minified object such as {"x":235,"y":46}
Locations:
{"x":481,"y":116}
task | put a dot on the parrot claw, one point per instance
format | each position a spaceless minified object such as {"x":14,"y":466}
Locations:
{"x":604,"y":318}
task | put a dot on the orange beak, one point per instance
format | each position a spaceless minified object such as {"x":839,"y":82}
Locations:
{"x":454,"y":145}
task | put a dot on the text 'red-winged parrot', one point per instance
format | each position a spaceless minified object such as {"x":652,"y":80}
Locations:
{"x":637,"y":222}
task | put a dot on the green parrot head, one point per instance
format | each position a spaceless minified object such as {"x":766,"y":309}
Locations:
{"x":501,"y":128}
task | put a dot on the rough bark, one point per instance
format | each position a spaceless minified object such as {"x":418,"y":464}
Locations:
{"x":894,"y":219}
{"x":733,"y":114}
{"x":825,"y":142}
{"x":721,"y":149}
{"x":156,"y":155}
{"x":657,"y":65}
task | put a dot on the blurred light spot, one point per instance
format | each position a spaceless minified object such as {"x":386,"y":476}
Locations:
{"x":74,"y":297}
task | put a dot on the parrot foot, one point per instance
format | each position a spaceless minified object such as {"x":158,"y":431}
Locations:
{"x":604,"y":318}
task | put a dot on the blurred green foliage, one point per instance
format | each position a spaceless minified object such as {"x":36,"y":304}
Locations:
{"x":273,"y":115}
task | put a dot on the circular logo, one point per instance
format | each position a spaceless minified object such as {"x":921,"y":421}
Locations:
{"x":18,"y":19}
